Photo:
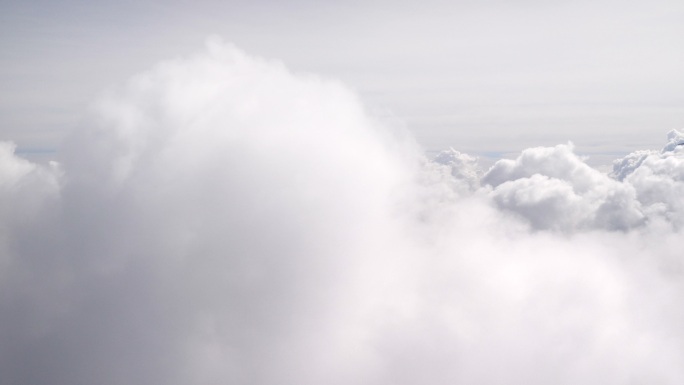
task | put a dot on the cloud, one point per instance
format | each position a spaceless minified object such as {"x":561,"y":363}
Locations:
{"x":554,"y":189}
{"x":658,"y":178}
{"x":223,"y":220}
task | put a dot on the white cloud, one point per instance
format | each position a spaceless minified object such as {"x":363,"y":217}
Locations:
{"x":658,"y":178}
{"x":222,"y":220}
{"x":554,"y":189}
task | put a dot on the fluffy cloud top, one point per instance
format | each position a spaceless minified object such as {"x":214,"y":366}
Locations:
{"x":222,"y":220}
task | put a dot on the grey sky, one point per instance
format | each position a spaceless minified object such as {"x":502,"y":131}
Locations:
{"x":483,"y":77}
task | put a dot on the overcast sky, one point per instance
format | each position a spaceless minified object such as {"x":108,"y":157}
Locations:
{"x":485,"y":77}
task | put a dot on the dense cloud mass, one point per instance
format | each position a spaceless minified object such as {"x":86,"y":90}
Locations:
{"x":221,"y":220}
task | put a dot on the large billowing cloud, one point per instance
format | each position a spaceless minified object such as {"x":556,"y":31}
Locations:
{"x":222,"y":220}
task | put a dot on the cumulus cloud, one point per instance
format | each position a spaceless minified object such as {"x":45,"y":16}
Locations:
{"x":223,"y":220}
{"x":554,"y":189}
{"x":658,"y":178}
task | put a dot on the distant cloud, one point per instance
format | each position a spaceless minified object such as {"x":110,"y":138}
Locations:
{"x":554,"y":189}
{"x":222,"y":220}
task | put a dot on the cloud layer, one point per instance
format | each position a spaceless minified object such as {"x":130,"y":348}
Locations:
{"x":222,"y":220}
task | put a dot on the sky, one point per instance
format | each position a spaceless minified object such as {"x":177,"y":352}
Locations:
{"x":489,"y":78}
{"x":183,"y":207}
